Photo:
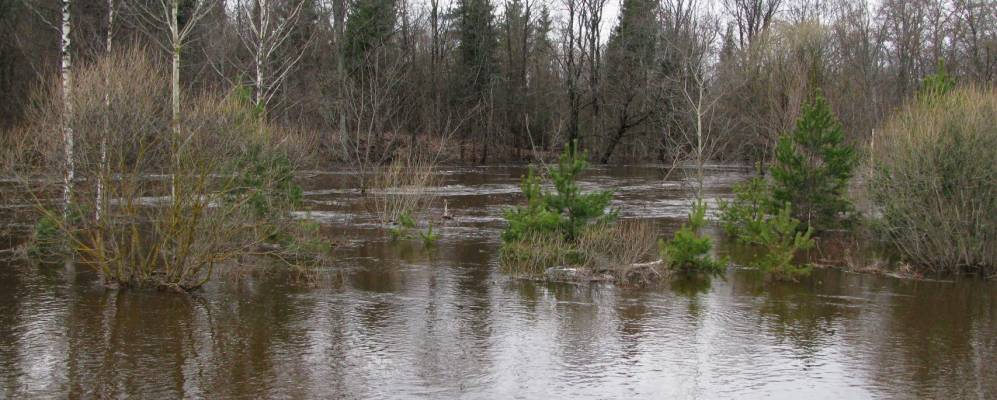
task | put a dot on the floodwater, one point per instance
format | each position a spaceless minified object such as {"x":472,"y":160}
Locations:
{"x":396,"y":320}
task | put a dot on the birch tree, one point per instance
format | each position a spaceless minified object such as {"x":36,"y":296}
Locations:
{"x":267,"y":33}
{"x":109,"y":35}
{"x":65,"y":69}
{"x":164,"y":16}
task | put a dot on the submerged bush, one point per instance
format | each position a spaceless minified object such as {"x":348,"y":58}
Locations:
{"x":688,"y":252}
{"x":775,"y":243}
{"x":933,"y":181}
{"x":567,"y":227}
{"x":158,"y":209}
{"x":266,"y":177}
{"x":772,"y":235}
{"x":813,"y":167}
{"x":751,"y":206}
{"x":47,"y":241}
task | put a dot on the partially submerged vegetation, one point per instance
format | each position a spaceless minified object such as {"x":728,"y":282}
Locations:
{"x":809,"y":181}
{"x":161,"y":210}
{"x":689,"y":252}
{"x":933,"y":180}
{"x":566,"y":234}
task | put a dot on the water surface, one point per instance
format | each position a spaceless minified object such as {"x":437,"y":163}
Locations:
{"x":395,"y":320}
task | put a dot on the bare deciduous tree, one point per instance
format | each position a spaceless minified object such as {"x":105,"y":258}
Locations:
{"x":172,"y":34}
{"x":267,"y":33}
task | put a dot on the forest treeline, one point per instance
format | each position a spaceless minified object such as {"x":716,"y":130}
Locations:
{"x":499,"y":81}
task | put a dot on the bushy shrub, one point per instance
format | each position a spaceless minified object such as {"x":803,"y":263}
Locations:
{"x":564,"y":226}
{"x":566,"y":211}
{"x":751,"y":206}
{"x":813,"y":167}
{"x":771,"y":234}
{"x":689,"y":251}
{"x":266,"y":177}
{"x":159,"y":209}
{"x":47,"y":241}
{"x":932,"y":181}
{"x":775,"y":243}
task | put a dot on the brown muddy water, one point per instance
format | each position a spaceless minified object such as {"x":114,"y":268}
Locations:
{"x":395,"y":320}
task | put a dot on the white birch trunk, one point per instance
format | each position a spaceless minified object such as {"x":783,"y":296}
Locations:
{"x":261,"y":37}
{"x":99,"y":208}
{"x":65,"y":68}
{"x":176,"y":43}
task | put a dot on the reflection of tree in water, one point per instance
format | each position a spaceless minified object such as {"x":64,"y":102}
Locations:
{"x":691,"y":286}
{"x":804,"y":313}
{"x":13,"y":293}
{"x":631,"y":314}
{"x":473,"y":291}
{"x":467,"y":355}
{"x":939,"y":339}
{"x":92,"y":338}
{"x":237,"y":337}
{"x":141,"y":343}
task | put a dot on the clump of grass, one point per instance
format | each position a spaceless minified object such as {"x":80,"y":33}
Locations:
{"x":931,"y":180}
{"x":534,"y":253}
{"x":403,"y":187}
{"x":624,"y":249}
{"x":429,"y":237}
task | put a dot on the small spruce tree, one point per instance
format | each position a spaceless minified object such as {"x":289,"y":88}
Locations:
{"x":566,"y":211}
{"x":689,"y":251}
{"x":937,"y":84}
{"x":813,"y":166}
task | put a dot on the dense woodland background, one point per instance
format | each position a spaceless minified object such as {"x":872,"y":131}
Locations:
{"x":503,"y":81}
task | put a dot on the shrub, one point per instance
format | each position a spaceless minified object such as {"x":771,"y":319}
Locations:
{"x":171,"y":208}
{"x":933,"y":181}
{"x":566,"y":211}
{"x":775,"y":244}
{"x":47,"y":241}
{"x":751,"y":206}
{"x":813,"y":166}
{"x":266,"y":177}
{"x":689,"y":251}
{"x":936,"y":85}
{"x":404,"y":186}
{"x":569,"y":227}
{"x":771,"y":234}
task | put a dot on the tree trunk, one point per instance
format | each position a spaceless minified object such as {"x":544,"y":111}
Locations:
{"x":65,"y":68}
{"x":99,"y":208}
{"x":613,"y":141}
{"x":175,"y":70}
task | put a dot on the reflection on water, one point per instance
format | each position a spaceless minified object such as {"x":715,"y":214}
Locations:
{"x":406,"y":322}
